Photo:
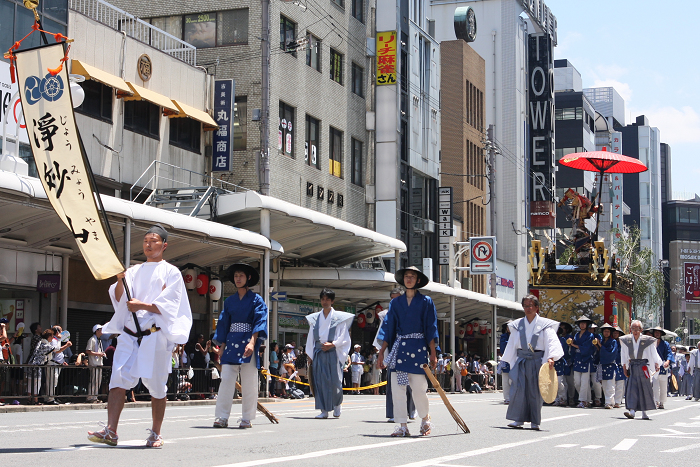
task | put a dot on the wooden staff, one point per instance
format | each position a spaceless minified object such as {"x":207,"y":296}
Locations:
{"x":270,"y":416}
{"x":443,"y":396}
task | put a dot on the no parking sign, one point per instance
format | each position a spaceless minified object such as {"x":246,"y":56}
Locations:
{"x":482,"y":255}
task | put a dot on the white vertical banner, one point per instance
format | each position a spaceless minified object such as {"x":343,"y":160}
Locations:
{"x":616,"y":184}
{"x":60,"y":161}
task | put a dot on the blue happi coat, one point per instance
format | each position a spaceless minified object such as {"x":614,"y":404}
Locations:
{"x":583,"y":356}
{"x":410,"y":329}
{"x":238,"y":321}
{"x":563,"y":365}
{"x":609,"y":352}
{"x":505,"y":366}
{"x":664,"y":351}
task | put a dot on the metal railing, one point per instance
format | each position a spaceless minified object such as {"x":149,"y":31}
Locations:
{"x":76,"y":384}
{"x":194,"y":179}
{"x":120,"y":20}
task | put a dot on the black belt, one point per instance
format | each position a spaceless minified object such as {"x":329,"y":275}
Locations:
{"x":144,"y":333}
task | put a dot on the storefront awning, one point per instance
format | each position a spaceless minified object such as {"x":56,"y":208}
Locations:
{"x":141,"y":93}
{"x":304,"y":233}
{"x":95,"y":74}
{"x":195,"y":114}
{"x":361,"y":287}
{"x":29,"y":222}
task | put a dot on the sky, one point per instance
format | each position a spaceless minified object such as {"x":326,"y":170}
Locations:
{"x":649,"y":52}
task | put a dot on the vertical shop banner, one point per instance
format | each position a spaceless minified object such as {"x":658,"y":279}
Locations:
{"x":541,"y":145}
{"x":224,"y":92}
{"x":692,"y":282}
{"x":445,"y":225}
{"x":386,"y":58}
{"x":616,"y":179}
{"x":59,"y":156}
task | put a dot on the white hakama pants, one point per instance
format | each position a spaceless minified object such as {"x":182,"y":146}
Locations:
{"x":563,"y":389}
{"x":419,"y":386}
{"x":660,"y":386}
{"x":597,"y":386}
{"x":619,"y":391}
{"x":152,"y":362}
{"x":609,"y":390}
{"x":505,"y":379}
{"x":582,"y":383}
{"x":249,"y":387}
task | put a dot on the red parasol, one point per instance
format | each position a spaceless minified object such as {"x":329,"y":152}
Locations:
{"x":602,"y":162}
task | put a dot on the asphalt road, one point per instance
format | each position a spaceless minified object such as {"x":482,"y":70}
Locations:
{"x":360,"y":437}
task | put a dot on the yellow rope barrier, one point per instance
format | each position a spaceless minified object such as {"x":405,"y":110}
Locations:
{"x":267,"y":373}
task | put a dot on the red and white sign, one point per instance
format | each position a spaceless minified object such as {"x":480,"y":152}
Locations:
{"x":691,"y":272}
{"x":483,"y":255}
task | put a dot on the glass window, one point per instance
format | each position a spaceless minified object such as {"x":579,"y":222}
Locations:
{"x":313,"y":52}
{"x":340,"y":3}
{"x":288,"y":35}
{"x":335,"y":153}
{"x":285,"y":141}
{"x":185,"y":133}
{"x":142,"y":117}
{"x":356,"y":162}
{"x":313,"y":142}
{"x":24,"y":23}
{"x":7,"y":20}
{"x":643,"y":193}
{"x":358,"y":10}
{"x":170,"y":24}
{"x":568,"y":113}
{"x":200,"y":29}
{"x":336,"y":66}
{"x":232,"y":27}
{"x":240,"y":123}
{"x":98,"y":101}
{"x":57,"y":9}
{"x":25,"y":153}
{"x":358,"y":80}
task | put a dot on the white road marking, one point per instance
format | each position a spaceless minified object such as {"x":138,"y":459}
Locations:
{"x":624,"y":445}
{"x":309,"y":455}
{"x":566,"y":446}
{"x":500,"y":447}
{"x":683,"y":448}
{"x":592,"y":446}
{"x":565,"y":416}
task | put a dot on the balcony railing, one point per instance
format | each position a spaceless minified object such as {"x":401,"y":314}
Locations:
{"x":120,"y":20}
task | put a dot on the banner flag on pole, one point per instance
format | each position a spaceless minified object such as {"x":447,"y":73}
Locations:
{"x":60,"y":159}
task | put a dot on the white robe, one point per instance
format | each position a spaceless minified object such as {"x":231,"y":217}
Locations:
{"x":341,"y":342}
{"x":649,"y":353}
{"x":547,"y":342}
{"x":160,"y":284}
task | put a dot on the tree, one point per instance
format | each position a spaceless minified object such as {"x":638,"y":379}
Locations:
{"x":640,"y":265}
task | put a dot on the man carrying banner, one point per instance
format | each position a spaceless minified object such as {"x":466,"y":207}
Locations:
{"x":159,"y":304}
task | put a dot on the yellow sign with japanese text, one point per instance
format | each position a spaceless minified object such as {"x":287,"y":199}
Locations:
{"x":386,"y":58}
{"x":60,"y":160}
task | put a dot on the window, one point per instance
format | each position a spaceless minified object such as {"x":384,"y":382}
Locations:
{"x":340,"y":3}
{"x":142,"y":117}
{"x":313,"y":53}
{"x":569,"y":113}
{"x":313,"y":139}
{"x":356,"y":161}
{"x":98,"y":101}
{"x":335,"y":153}
{"x":200,"y":29}
{"x":207,"y":29}
{"x":232,"y":27}
{"x":336,"y":66}
{"x":358,"y":80}
{"x":358,"y":10}
{"x":240,"y":123}
{"x":185,"y":133}
{"x":288,"y":35}
{"x":285,"y":141}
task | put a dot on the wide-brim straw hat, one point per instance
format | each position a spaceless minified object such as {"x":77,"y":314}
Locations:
{"x":660,"y":329}
{"x":548,"y":383}
{"x":583,"y":318}
{"x":606,"y":326}
{"x":249,"y":270}
{"x":422,"y":278}
{"x":619,"y":329}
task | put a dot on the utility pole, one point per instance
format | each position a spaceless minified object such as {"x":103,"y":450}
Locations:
{"x":264,"y":172}
{"x":490,"y":134}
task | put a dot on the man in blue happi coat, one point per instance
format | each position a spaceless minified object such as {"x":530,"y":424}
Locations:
{"x":241,"y":329}
{"x":583,"y":350}
{"x":410,"y":330}
{"x":327,"y":346}
{"x":609,"y":350}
